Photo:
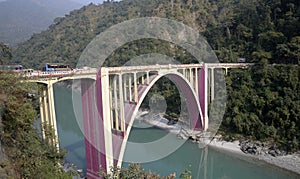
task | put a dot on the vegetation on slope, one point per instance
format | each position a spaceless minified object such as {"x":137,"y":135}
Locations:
{"x":264,"y":104}
{"x":25,"y":155}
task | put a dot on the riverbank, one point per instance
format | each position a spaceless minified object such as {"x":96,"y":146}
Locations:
{"x":287,"y":162}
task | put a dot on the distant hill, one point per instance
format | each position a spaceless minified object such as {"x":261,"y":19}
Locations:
{"x":20,"y":19}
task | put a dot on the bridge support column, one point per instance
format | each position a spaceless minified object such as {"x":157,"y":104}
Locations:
{"x":196,"y":82}
{"x":96,"y":107}
{"x":122,"y":112}
{"x":148,"y":78}
{"x":202,"y":93}
{"x":47,"y":114}
{"x":212,"y":85}
{"x":136,"y":97}
{"x":116,"y":116}
{"x":130,"y":87}
{"x":43,"y":111}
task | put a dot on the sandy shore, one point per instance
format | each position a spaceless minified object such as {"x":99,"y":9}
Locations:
{"x":288,"y":162}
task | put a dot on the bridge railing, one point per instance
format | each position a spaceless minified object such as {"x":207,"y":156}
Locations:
{"x":55,"y":74}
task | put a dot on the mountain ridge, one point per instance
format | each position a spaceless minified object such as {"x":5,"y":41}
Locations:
{"x":20,"y":19}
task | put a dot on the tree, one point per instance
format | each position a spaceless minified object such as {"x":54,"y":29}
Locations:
{"x":27,"y":155}
{"x":5,"y":54}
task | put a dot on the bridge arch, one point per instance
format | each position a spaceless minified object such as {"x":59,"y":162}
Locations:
{"x":192,"y":101}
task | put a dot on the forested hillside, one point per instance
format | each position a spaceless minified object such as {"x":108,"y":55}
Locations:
{"x":263,"y":102}
{"x":253,"y":29}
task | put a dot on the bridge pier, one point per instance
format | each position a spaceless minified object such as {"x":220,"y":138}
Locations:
{"x":47,"y":113}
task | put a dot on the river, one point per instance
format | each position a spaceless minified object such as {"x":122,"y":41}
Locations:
{"x":202,"y":164}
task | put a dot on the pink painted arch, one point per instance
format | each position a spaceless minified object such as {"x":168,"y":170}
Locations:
{"x":192,"y":101}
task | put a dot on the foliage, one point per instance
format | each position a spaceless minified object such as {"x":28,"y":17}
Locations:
{"x":27,"y":155}
{"x":5,"y":54}
{"x":263,"y":104}
{"x":135,"y":171}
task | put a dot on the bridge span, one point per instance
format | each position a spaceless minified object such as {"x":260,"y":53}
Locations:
{"x":111,"y":97}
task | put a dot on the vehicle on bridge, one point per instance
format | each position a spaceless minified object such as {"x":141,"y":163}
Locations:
{"x":56,"y":67}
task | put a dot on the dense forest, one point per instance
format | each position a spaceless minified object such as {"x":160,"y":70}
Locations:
{"x":263,"y":101}
{"x":23,"y":153}
{"x":252,"y":29}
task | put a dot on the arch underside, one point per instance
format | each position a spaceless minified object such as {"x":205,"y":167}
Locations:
{"x":192,"y":101}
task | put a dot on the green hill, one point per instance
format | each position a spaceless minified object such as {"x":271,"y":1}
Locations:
{"x":252,"y":29}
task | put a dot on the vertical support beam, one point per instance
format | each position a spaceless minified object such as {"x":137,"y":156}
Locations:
{"x":130,"y":88}
{"x":46,"y":107}
{"x":116,"y":103}
{"x":212,"y":85}
{"x":148,"y":79}
{"x":52,"y":113}
{"x":196,"y":82}
{"x":49,"y":118}
{"x":125,"y":87}
{"x":202,"y":91}
{"x":121,"y":103}
{"x":136,"y":97}
{"x":143,"y":79}
{"x":111,"y":107}
{"x":42,"y":115}
{"x":191,"y":77}
{"x":89,"y":119}
{"x":104,"y":112}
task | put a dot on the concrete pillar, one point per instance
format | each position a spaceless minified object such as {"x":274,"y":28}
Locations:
{"x":202,"y":92}
{"x":196,"y":82}
{"x":116,"y":103}
{"x":212,"y":85}
{"x":111,"y":106}
{"x":46,"y":107}
{"x":130,"y":88}
{"x":52,"y":113}
{"x":42,"y":115}
{"x":148,"y":79}
{"x":136,"y":97}
{"x":121,"y":104}
{"x":125,"y":87}
{"x":104,"y":110}
{"x":191,"y":77}
{"x":143,"y":79}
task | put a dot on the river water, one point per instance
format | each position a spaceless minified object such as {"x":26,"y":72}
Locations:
{"x":202,"y":163}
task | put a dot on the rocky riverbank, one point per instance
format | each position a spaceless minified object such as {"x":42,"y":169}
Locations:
{"x":262,"y":153}
{"x":244,"y":149}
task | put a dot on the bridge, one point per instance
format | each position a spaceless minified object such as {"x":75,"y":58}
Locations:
{"x":111,"y":97}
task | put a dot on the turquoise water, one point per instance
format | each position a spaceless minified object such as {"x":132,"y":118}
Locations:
{"x":203,"y":164}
